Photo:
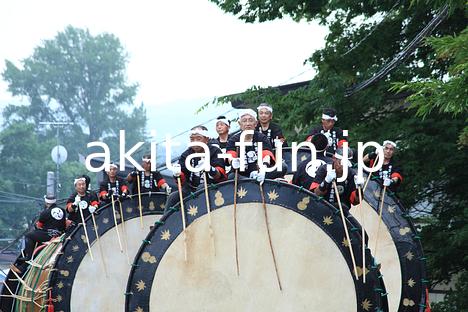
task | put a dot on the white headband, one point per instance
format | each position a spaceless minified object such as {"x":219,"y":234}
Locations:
{"x":49,"y":201}
{"x":146,"y":159}
{"x":248,"y":111}
{"x":267,"y":107}
{"x":389,"y":142}
{"x":328,"y":117}
{"x":224,"y":121}
{"x":112,"y":165}
{"x":78,"y":180}
{"x":199,"y":131}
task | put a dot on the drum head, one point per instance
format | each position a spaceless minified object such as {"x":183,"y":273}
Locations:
{"x":82,"y":284}
{"x":399,"y":251}
{"x":307,"y":237}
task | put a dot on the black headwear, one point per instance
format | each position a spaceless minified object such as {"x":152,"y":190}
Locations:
{"x":320,"y":142}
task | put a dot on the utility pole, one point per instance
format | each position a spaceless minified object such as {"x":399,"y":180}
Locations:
{"x":59,"y":153}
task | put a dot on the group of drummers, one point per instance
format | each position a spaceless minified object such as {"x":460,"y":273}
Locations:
{"x":317,"y":176}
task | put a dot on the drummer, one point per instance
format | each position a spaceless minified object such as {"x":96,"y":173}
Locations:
{"x":248,"y":121}
{"x":191,"y":181}
{"x":112,"y":185}
{"x":51,"y":223}
{"x":222,"y":128}
{"x":272,"y":130}
{"x":326,"y":176}
{"x":305,"y":174}
{"x":334,"y":134}
{"x":389,"y":174}
{"x":150,"y":181}
{"x":83,"y":199}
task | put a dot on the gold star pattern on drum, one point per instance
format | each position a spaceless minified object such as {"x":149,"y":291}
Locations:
{"x":129,"y":209}
{"x":409,"y":255}
{"x":59,"y":298}
{"x":273,"y":195}
{"x":162,"y":206}
{"x":345,"y":242}
{"x":151,"y":205}
{"x":404,"y":231}
{"x":60,"y":285}
{"x":241,"y":192}
{"x":366,"y":304}
{"x":391,"y":209}
{"x":408,"y":302}
{"x":165,"y":235}
{"x":64,"y":273}
{"x":75,"y":248}
{"x":105,"y":220}
{"x":139,"y":309}
{"x":193,"y":210}
{"x":219,"y":200}
{"x":359,"y":270}
{"x":70,"y":259}
{"x":304,"y":157}
{"x":327,"y":220}
{"x":411,"y":282}
{"x":140,"y":286}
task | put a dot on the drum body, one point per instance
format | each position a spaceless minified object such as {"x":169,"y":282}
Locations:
{"x":81,"y":284}
{"x":307,"y":266}
{"x":396,"y":247}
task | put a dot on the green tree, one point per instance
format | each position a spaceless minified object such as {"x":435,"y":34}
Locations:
{"x":80,"y":78}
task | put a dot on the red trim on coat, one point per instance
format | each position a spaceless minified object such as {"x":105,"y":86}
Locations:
{"x":396,"y":175}
{"x":161,"y":182}
{"x":313,"y":186}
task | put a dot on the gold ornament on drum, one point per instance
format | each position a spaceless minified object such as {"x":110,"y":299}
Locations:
{"x":129,"y":209}
{"x":60,"y":285}
{"x":241,"y":192}
{"x":391,"y":209}
{"x":64,"y":273}
{"x":58,"y":299}
{"x":105,"y":220}
{"x":165,"y":235}
{"x":139,"y":309}
{"x":193,"y":210}
{"x":404,"y":231}
{"x":328,"y":220}
{"x":75,"y":248}
{"x":151,"y":206}
{"x":162,"y":206}
{"x":408,"y":302}
{"x":147,"y":257}
{"x":272,"y":195}
{"x":359,"y":270}
{"x":70,"y":259}
{"x":140,"y":286}
{"x":409,"y":255}
{"x":411,"y":283}
{"x":302,"y":205}
{"x":345,"y":242}
{"x":219,"y":200}
{"x":366,"y":304}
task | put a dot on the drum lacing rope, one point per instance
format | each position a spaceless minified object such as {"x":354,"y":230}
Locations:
{"x":354,"y":229}
{"x":301,"y":188}
{"x":416,"y":236}
{"x":424,"y":281}
{"x":422,"y":305}
{"x":173,"y":209}
{"x":422,"y":259}
{"x":159,"y":222}
{"x":128,"y":293}
{"x":135,"y":265}
{"x":192,"y":195}
{"x":147,"y":242}
{"x":213,"y":186}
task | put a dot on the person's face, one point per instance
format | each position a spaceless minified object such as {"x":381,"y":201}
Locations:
{"x":264,"y":115}
{"x":112,"y":172}
{"x":247,"y":122}
{"x":338,"y":166}
{"x":388,"y":151}
{"x":198,"y":138}
{"x":328,"y":124}
{"x":146,"y":165}
{"x":80,"y":186}
{"x":221,"y":128}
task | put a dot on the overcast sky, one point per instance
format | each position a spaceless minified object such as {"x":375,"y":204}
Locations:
{"x":181,"y":51}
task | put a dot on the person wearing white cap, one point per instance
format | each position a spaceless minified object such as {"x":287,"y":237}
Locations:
{"x":191,"y":180}
{"x":83,"y":199}
{"x":389,"y":174}
{"x":112,"y":185}
{"x":248,"y":121}
{"x":51,"y":223}
{"x":334,"y":134}
{"x":222,"y":128}
{"x":150,"y":181}
{"x":326,"y":174}
{"x":265,"y":126}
